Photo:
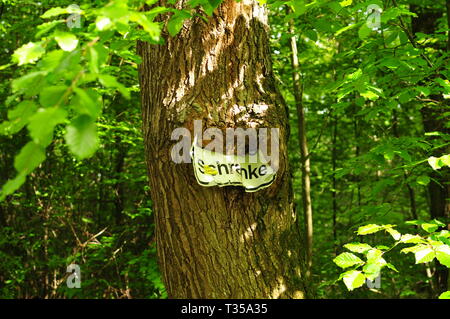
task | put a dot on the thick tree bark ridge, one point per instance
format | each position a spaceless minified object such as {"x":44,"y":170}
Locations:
{"x":219,"y":242}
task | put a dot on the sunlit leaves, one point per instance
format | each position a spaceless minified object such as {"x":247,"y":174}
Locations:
{"x":346,"y":260}
{"x":56,"y":11}
{"x":358,"y":247}
{"x":353,"y":279}
{"x":394,"y":233}
{"x":369,"y":229}
{"x":411,"y":239}
{"x":426,"y":249}
{"x":69,"y":78}
{"x":424,"y":254}
{"x":346,"y":3}
{"x":103,"y":23}
{"x":439,"y":162}
{"x":66,"y":41}
{"x":445,"y":295}
{"x":28,"y":53}
{"x":443,"y":255}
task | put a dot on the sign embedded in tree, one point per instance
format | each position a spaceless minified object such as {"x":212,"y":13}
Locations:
{"x":251,"y":171}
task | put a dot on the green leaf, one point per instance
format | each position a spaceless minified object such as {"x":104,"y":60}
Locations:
{"x":312,"y":35}
{"x":152,"y":28}
{"x":372,"y":270}
{"x":364,"y":31}
{"x":445,"y":295}
{"x":413,"y":249}
{"x":444,"y":83}
{"x":46,"y":27}
{"x":369,"y":229}
{"x":58,"y":11}
{"x":19,"y":117}
{"x":66,"y":41}
{"x":358,"y":247}
{"x":43,"y":123}
{"x":391,"y":266}
{"x":53,"y":12}
{"x":443,"y":255}
{"x":29,"y":84}
{"x":298,"y":6}
{"x":346,"y":28}
{"x":30,"y":157}
{"x":411,"y":239}
{"x":353,"y":279}
{"x":346,"y":3}
{"x":438,"y":163}
{"x":110,"y":81}
{"x":423,"y":180}
{"x":52,"y":95}
{"x":28,"y":53}
{"x":346,"y":260}
{"x":103,"y":23}
{"x":82,"y":136}
{"x":12,"y":185}
{"x":424,"y":255}
{"x":98,"y":55}
{"x":87,"y":101}
{"x":428,"y":227}
{"x":51,"y":60}
{"x":210,"y":5}
{"x":176,"y":22}
{"x":394,"y":233}
{"x":374,"y":256}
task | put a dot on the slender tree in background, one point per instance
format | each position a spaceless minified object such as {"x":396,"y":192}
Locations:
{"x":304,"y":154}
{"x":218,"y":242}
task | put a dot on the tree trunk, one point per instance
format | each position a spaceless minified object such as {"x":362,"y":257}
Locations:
{"x":218,"y":242}
{"x":304,"y":153}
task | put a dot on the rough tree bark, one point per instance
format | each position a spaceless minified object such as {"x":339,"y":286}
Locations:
{"x":218,"y":242}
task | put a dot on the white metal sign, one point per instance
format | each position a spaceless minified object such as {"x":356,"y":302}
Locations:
{"x":216,"y":169}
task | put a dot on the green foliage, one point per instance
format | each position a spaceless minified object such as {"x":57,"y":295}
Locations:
{"x":425,"y":249}
{"x":75,"y":92}
{"x":365,"y":94}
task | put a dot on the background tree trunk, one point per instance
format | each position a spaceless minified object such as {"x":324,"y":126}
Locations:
{"x":304,"y":153}
{"x":218,"y":242}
